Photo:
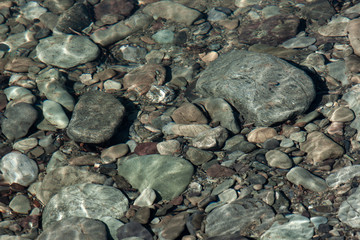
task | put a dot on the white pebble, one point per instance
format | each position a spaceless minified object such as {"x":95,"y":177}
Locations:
{"x":19,"y":94}
{"x":25,"y":144}
{"x":146,"y":198}
{"x":111,"y":85}
{"x":54,"y":113}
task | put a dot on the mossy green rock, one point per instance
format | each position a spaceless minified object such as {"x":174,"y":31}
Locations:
{"x":167,"y":175}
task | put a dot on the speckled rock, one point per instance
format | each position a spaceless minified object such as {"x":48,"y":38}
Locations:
{"x":278,"y":159}
{"x":349,"y":210}
{"x":54,"y":114}
{"x":343,"y":175}
{"x":301,"y":176}
{"x":211,"y":139}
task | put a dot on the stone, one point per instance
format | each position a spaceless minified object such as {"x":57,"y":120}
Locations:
{"x":352,"y":96}
{"x":228,"y":196}
{"x":75,"y":228}
{"x":172,"y":11}
{"x":169,"y":147}
{"x":341,"y":114}
{"x":113,"y":225}
{"x":19,"y":118}
{"x":61,"y":177}
{"x":18,"y":168}
{"x":298,"y":136}
{"x":220,"y":111}
{"x":85,"y":200}
{"x":19,"y":94}
{"x":337,"y":70}
{"x":229,"y":218}
{"x":20,"y":204}
{"x":32,"y":10}
{"x":133,"y":54}
{"x":122,"y":29}
{"x":74,"y":19}
{"x":301,"y":176}
{"x":87,"y":159}
{"x":319,"y":11}
{"x":167,"y":175}
{"x":299,"y":42}
{"x":319,"y":147}
{"x":278,"y":159}
{"x":174,"y":227}
{"x":133,"y":230}
{"x":352,"y":12}
{"x":58,"y":6}
{"x":51,"y":84}
{"x":343,"y":175}
{"x":211,"y":139}
{"x":21,"y":64}
{"x":146,"y":148}
{"x":287,"y":143}
{"x":109,"y":155}
{"x":349,"y":210}
{"x":188,"y":113}
{"x":353,"y":35}
{"x":218,"y":171}
{"x":271,"y":144}
{"x":297,"y":227}
{"x":335,"y":28}
{"x":141,"y":79}
{"x":54,"y":114}
{"x":66,"y":51}
{"x":260,"y":135}
{"x":111,"y":11}
{"x":198,"y":156}
{"x":186,"y":130}
{"x":95,"y":118}
{"x":160,"y":94}
{"x":110,"y":85}
{"x":240,"y":77}
{"x":146,"y":198}
{"x":335,"y":128}
{"x":164,"y":36}
{"x":25,"y":144}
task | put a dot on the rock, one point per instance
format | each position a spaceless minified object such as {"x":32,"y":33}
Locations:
{"x":337,"y":71}
{"x":19,"y":94}
{"x":220,"y":111}
{"x":218,"y":171}
{"x":263,"y":101}
{"x":319,"y":11}
{"x":85,"y":200}
{"x":19,"y":119}
{"x":260,"y":135}
{"x":51,"y":83}
{"x":343,"y":175}
{"x":65,"y":176}
{"x":341,"y":114}
{"x":146,"y":198}
{"x":198,"y":156}
{"x":174,"y":227}
{"x":87,"y":159}
{"x":20,"y":204}
{"x":271,"y":144}
{"x":95,"y":118}
{"x":25,"y":145}
{"x":229,"y":218}
{"x":160,"y":94}
{"x":172,"y":11}
{"x":319,"y":147}
{"x":110,"y":85}
{"x":186,"y":130}
{"x":109,"y":155}
{"x":141,"y":79}
{"x":335,"y":28}
{"x":298,"y":136}
{"x":299,"y":42}
{"x":301,"y":176}
{"x":287,"y":143}
{"x":133,"y":230}
{"x":335,"y":128}
{"x":77,"y":228}
{"x":349,"y":210}
{"x":297,"y":227}
{"x":21,"y":64}
{"x":111,"y":11}
{"x":169,"y":147}
{"x":32,"y":10}
{"x":18,"y":168}
{"x":54,"y":114}
{"x":76,"y":18}
{"x":211,"y":139}
{"x":121,"y":30}
{"x":164,"y":36}
{"x":188,"y":113}
{"x":146,"y":148}
{"x":66,"y":51}
{"x":353,"y":98}
{"x":353,"y":35}
{"x":113,"y":225}
{"x":278,"y":159}
{"x":167,"y":175}
{"x":58,"y":6}
{"x":133,"y":54}
{"x":228,"y":196}
{"x":352,"y":12}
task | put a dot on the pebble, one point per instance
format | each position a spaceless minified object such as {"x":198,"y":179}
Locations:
{"x":164,"y":36}
{"x":32,"y":10}
{"x":169,"y":147}
{"x":18,"y":168}
{"x":341,"y":114}
{"x":133,"y":54}
{"x":188,"y":113}
{"x":198,"y":156}
{"x":19,"y":94}
{"x":335,"y":28}
{"x":271,"y":144}
{"x":260,"y":135}
{"x":111,"y":154}
{"x":353,"y":34}
{"x":337,"y":70}
{"x":343,"y":175}
{"x":301,"y":176}
{"x":146,"y":198}
{"x":54,"y":114}
{"x":112,"y":224}
{"x":287,"y":143}
{"x":25,"y":145}
{"x":298,"y":136}
{"x":278,"y":159}
{"x":186,"y":130}
{"x":299,"y":42}
{"x":133,"y":230}
{"x":20,"y":204}
{"x":110,"y":85}
{"x":228,"y":196}
{"x":211,"y":139}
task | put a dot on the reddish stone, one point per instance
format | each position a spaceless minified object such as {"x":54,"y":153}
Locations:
{"x":3,"y":101}
{"x":216,"y":171}
{"x":113,"y":7}
{"x":177,"y":201}
{"x":146,"y":148}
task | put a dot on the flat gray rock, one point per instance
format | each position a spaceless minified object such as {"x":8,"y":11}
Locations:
{"x":301,"y":176}
{"x":75,"y":228}
{"x":167,"y":175}
{"x":95,"y":118}
{"x":263,"y":88}
{"x":343,"y":175}
{"x":85,"y":200}
{"x":349,"y":211}
{"x":66,"y":51}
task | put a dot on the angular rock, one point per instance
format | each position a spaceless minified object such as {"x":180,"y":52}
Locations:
{"x":188,"y":113}
{"x":211,"y":139}
{"x":85,"y":200}
{"x":76,"y":228}
{"x":263,"y":88}
{"x":54,"y":114}
{"x":95,"y":118}
{"x":343,"y":175}
{"x":349,"y":211}
{"x":169,"y":147}
{"x":20,"y":204}
{"x":198,"y":156}
{"x":319,"y":147}
{"x":335,"y":28}
{"x":172,"y":11}
{"x":19,"y":118}
{"x":146,"y":198}
{"x":133,"y":230}
{"x":62,"y":177}
{"x":229,"y":218}
{"x":75,"y":19}
{"x":66,"y":51}
{"x":18,"y":168}
{"x":301,"y":176}
{"x":51,"y":83}
{"x":167,"y":175}
{"x":278,"y":159}
{"x":260,"y":135}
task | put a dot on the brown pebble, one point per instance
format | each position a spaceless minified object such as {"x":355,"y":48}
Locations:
{"x":146,"y":148}
{"x":216,"y":171}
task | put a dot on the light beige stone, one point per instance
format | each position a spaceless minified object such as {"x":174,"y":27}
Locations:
{"x":260,"y":135}
{"x":341,"y":114}
{"x":353,"y":29}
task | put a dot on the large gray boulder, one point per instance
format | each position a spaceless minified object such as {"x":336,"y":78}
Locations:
{"x":263,"y":88}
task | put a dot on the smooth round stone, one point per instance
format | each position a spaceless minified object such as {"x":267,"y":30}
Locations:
{"x":109,"y":155}
{"x":169,"y":147}
{"x":211,"y":139}
{"x":164,"y":36}
{"x":19,"y":94}
{"x":311,"y":127}
{"x":270,"y":11}
{"x":85,"y":200}
{"x":301,"y":176}
{"x":271,"y":144}
{"x":133,"y":54}
{"x":32,"y":10}
{"x":228,"y":195}
{"x":260,"y":135}
{"x":341,"y":114}
{"x":223,"y":186}
{"x":58,"y":6}
{"x":54,"y":113}
{"x":215,"y":15}
{"x":188,"y":113}
{"x":25,"y":144}
{"x":298,"y":136}
{"x":111,"y":85}
{"x":75,"y":228}
{"x":20,"y":204}
{"x":18,"y":168}
{"x":146,"y":198}
{"x":66,"y":51}
{"x":299,"y":42}
{"x":133,"y":231}
{"x":278,"y":159}
{"x":336,"y":27}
